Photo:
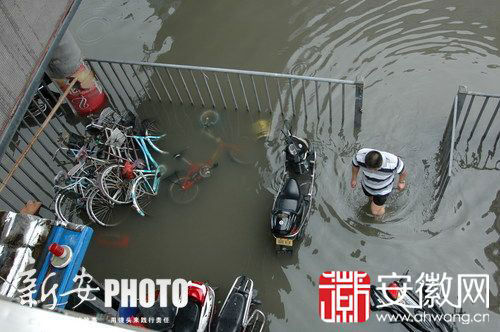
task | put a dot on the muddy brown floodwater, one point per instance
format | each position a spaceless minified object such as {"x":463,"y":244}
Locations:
{"x":412,"y":56}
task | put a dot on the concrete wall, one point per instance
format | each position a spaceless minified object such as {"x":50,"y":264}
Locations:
{"x":27,"y":28}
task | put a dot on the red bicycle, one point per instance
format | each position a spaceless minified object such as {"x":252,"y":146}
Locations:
{"x":184,"y":189}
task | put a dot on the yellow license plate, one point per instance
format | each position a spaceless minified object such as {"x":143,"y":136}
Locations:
{"x":284,"y":242}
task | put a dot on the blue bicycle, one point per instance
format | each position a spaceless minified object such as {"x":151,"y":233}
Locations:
{"x":135,"y":182}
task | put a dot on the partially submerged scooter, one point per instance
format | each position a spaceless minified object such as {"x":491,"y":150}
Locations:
{"x":409,"y":308}
{"x":292,"y":204}
{"x":196,"y":316}
{"x":236,"y":314}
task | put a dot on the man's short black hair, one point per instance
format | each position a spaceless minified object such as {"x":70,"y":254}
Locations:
{"x":373,"y":159}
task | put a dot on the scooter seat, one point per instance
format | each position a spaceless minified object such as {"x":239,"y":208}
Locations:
{"x":231,"y":318}
{"x":288,"y":199}
{"x":156,"y":310}
{"x":288,"y":205}
{"x":188,"y":318}
{"x":291,"y":190}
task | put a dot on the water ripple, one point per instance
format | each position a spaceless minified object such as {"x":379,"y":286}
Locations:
{"x":363,"y":37}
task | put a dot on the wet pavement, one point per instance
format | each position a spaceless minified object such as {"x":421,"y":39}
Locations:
{"x":412,"y":56}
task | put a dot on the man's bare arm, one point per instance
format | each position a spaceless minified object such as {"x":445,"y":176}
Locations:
{"x":354,"y":176}
{"x":402,"y":180}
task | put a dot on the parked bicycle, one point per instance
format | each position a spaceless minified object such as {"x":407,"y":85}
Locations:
{"x":135,"y":182}
{"x":77,"y":193}
{"x":114,"y":166}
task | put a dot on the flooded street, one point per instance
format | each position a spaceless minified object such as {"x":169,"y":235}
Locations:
{"x":412,"y":55}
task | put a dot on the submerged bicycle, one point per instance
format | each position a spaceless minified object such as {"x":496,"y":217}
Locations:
{"x":184,"y":189}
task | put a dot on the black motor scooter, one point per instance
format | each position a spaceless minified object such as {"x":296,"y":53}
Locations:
{"x":292,"y":204}
{"x":237,"y":313}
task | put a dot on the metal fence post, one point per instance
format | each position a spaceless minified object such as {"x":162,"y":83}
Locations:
{"x":464,"y":121}
{"x":197,"y":88}
{"x":493,"y":116}
{"x":205,"y":78}
{"x":185,"y":86}
{"x":453,"y":125}
{"x":268,"y":95}
{"x":110,"y":81}
{"x":479,"y":116}
{"x":244,"y":92}
{"x":163,"y":84}
{"x":145,"y":69}
{"x":358,"y":106}
{"x":140,"y":82}
{"x":343,"y":108}
{"x":232,"y":92}
{"x":130,"y":82}
{"x":304,"y":95}
{"x":99,"y":78}
{"x":462,"y":94}
{"x":220,"y":90}
{"x":121,"y":84}
{"x":175,"y":86}
{"x":292,"y":99}
{"x":256,"y":94}
{"x":279,"y":95}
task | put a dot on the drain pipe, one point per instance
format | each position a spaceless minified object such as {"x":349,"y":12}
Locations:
{"x":87,"y":96}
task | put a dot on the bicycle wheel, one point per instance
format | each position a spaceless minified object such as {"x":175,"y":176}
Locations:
{"x":69,"y":207}
{"x":241,"y":153}
{"x":209,"y":118}
{"x":143,"y":191}
{"x":152,"y":144}
{"x":151,"y":128}
{"x":182,"y":193}
{"x":100,"y":209}
{"x":114,"y":186}
{"x":152,"y":131}
{"x":89,"y":171}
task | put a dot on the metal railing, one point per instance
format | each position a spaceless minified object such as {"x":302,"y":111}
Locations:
{"x":456,"y":144}
{"x":131,"y":83}
{"x":33,"y":179}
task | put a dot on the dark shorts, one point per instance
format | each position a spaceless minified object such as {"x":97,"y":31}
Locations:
{"x":377,"y":199}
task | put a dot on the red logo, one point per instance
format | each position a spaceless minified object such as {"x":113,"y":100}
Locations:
{"x":344,"y":296}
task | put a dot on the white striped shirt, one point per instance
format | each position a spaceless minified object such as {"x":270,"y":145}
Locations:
{"x":378,"y":182}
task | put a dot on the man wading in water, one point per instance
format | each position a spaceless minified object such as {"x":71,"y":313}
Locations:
{"x":378,"y":168}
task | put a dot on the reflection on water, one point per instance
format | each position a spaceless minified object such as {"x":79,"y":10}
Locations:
{"x":412,"y":56}
{"x":110,"y":23}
